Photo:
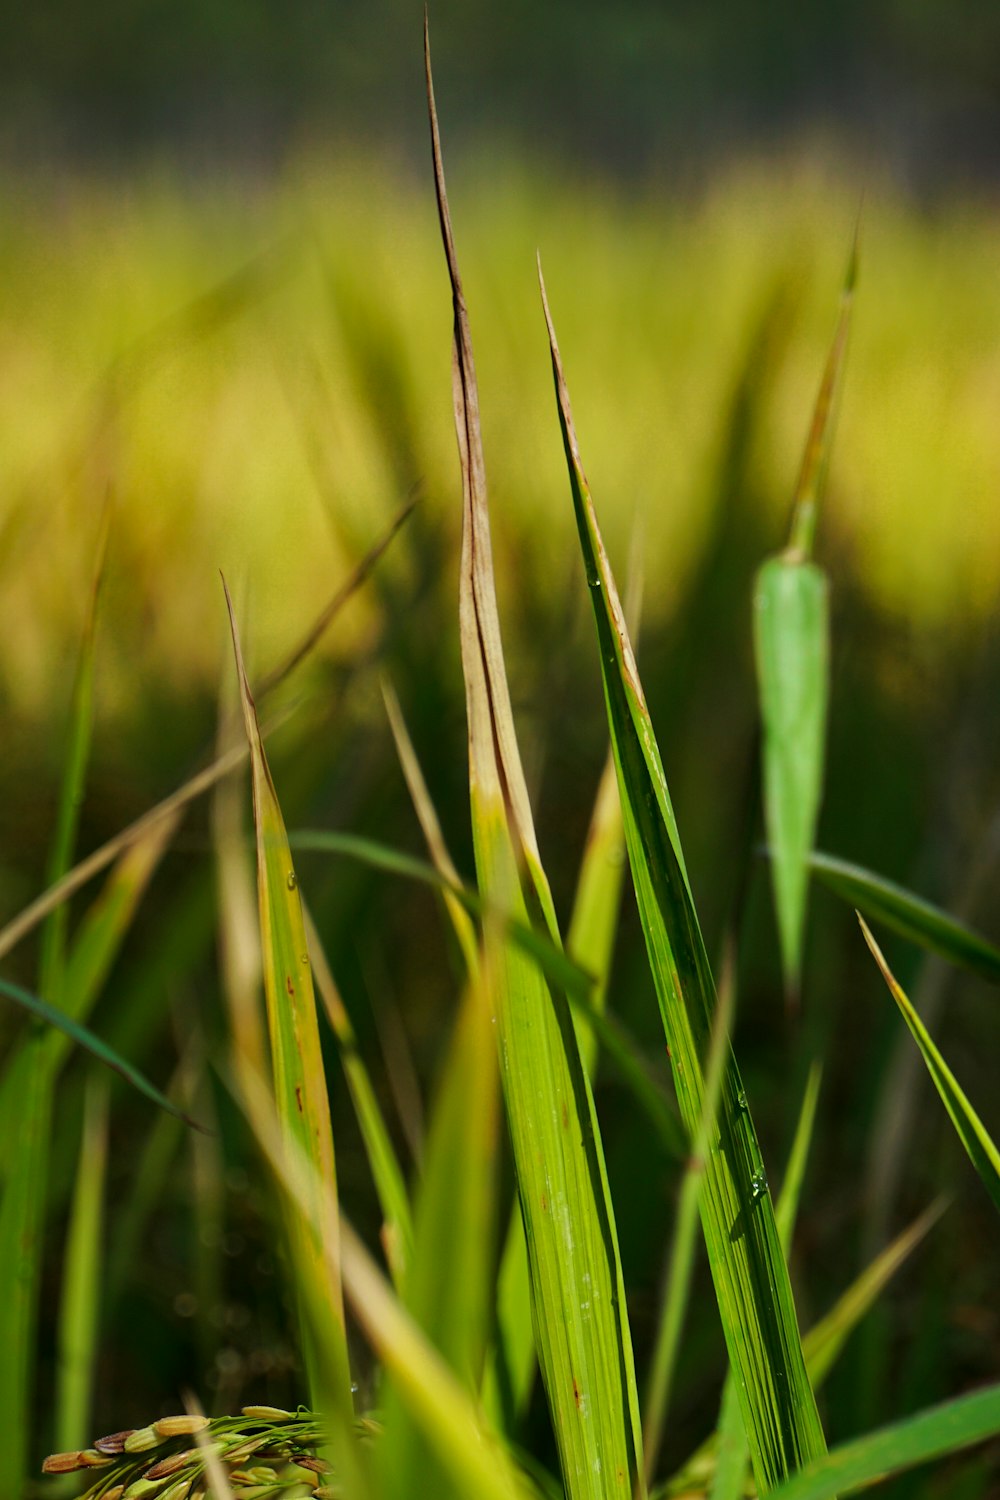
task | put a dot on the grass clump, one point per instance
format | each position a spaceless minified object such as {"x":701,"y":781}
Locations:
{"x":490,"y":1344}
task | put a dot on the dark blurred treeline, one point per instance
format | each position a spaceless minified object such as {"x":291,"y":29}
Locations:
{"x":634,"y":86}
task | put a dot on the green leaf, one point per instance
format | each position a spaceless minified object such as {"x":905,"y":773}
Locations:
{"x":908,"y":915}
{"x":748,"y":1267}
{"x":27,"y":1090}
{"x":972,"y":1133}
{"x":584,"y":1346}
{"x":53,"y":946}
{"x":825,"y":1340}
{"x":387,"y":1174}
{"x":891,"y":1450}
{"x":732,"y":1458}
{"x":561,"y":972}
{"x":594,"y":920}
{"x":677,"y":1281}
{"x":721,"y":1455}
{"x":791,"y":647}
{"x":296,"y":1057}
{"x":93,"y":1044}
{"x":449,"y":1283}
{"x":197,"y":785}
{"x":82,"y":1277}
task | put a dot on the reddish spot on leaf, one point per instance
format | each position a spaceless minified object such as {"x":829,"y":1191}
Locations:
{"x":298,"y":1098}
{"x":289,"y":986}
{"x":565,"y":1115}
{"x":576,"y":1395}
{"x":545,"y":1204}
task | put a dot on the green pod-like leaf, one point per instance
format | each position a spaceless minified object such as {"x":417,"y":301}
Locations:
{"x":791,"y":644}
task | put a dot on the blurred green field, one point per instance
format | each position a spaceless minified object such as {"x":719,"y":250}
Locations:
{"x":272,"y":428}
{"x":257,"y":375}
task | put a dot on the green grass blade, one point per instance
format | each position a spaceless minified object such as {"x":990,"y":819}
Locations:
{"x":103,"y":928}
{"x":14,"y":931}
{"x":449,"y":1285}
{"x":816,"y":457}
{"x":27,"y":1104}
{"x":509,"y":1377}
{"x":387,"y":1174}
{"x":677,"y":1282}
{"x":908,"y":915}
{"x":239,"y":938}
{"x":296,"y":1056}
{"x":537,"y":945}
{"x":26,"y":1093}
{"x":787,"y":1208}
{"x":154,"y":1159}
{"x":308,"y":1206}
{"x":90,"y":1043}
{"x":748,"y":1267}
{"x":473,"y":1456}
{"x":82,"y":1277}
{"x":979,"y":1145}
{"x":594,"y":921}
{"x":430,"y":826}
{"x":825,"y":1340}
{"x":95,"y":945}
{"x":729,"y":1456}
{"x":53,"y":945}
{"x":475,"y":1460}
{"x":584,"y":1346}
{"x":561,"y":971}
{"x":791,"y":649}
{"x":448,"y":1288}
{"x":590,"y":942}
{"x":22,"y":1212}
{"x":822,"y":1346}
{"x":892,"y":1450}
{"x":732,"y":1457}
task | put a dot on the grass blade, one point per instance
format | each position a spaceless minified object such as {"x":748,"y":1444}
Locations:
{"x":22,"y":1214}
{"x":787,"y":1208}
{"x":53,"y":946}
{"x":560,"y":970}
{"x":79,"y":1308}
{"x":26,"y":1093}
{"x":908,"y":915}
{"x":449,"y":1283}
{"x":594,"y":920}
{"x":979,"y":1145}
{"x":14,"y":931}
{"x":474,"y":1458}
{"x":584,"y":1346}
{"x":825,"y":1340}
{"x":387,"y":1174}
{"x":720,"y":1456}
{"x":732,"y":1457}
{"x":791,"y":648}
{"x":27,"y":1085}
{"x":748,"y":1267}
{"x":93,"y":1044}
{"x":431,"y":829}
{"x":296,"y":1057}
{"x":239,"y":939}
{"x":677,"y":1283}
{"x":930,"y":1434}
{"x":154,"y":1159}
